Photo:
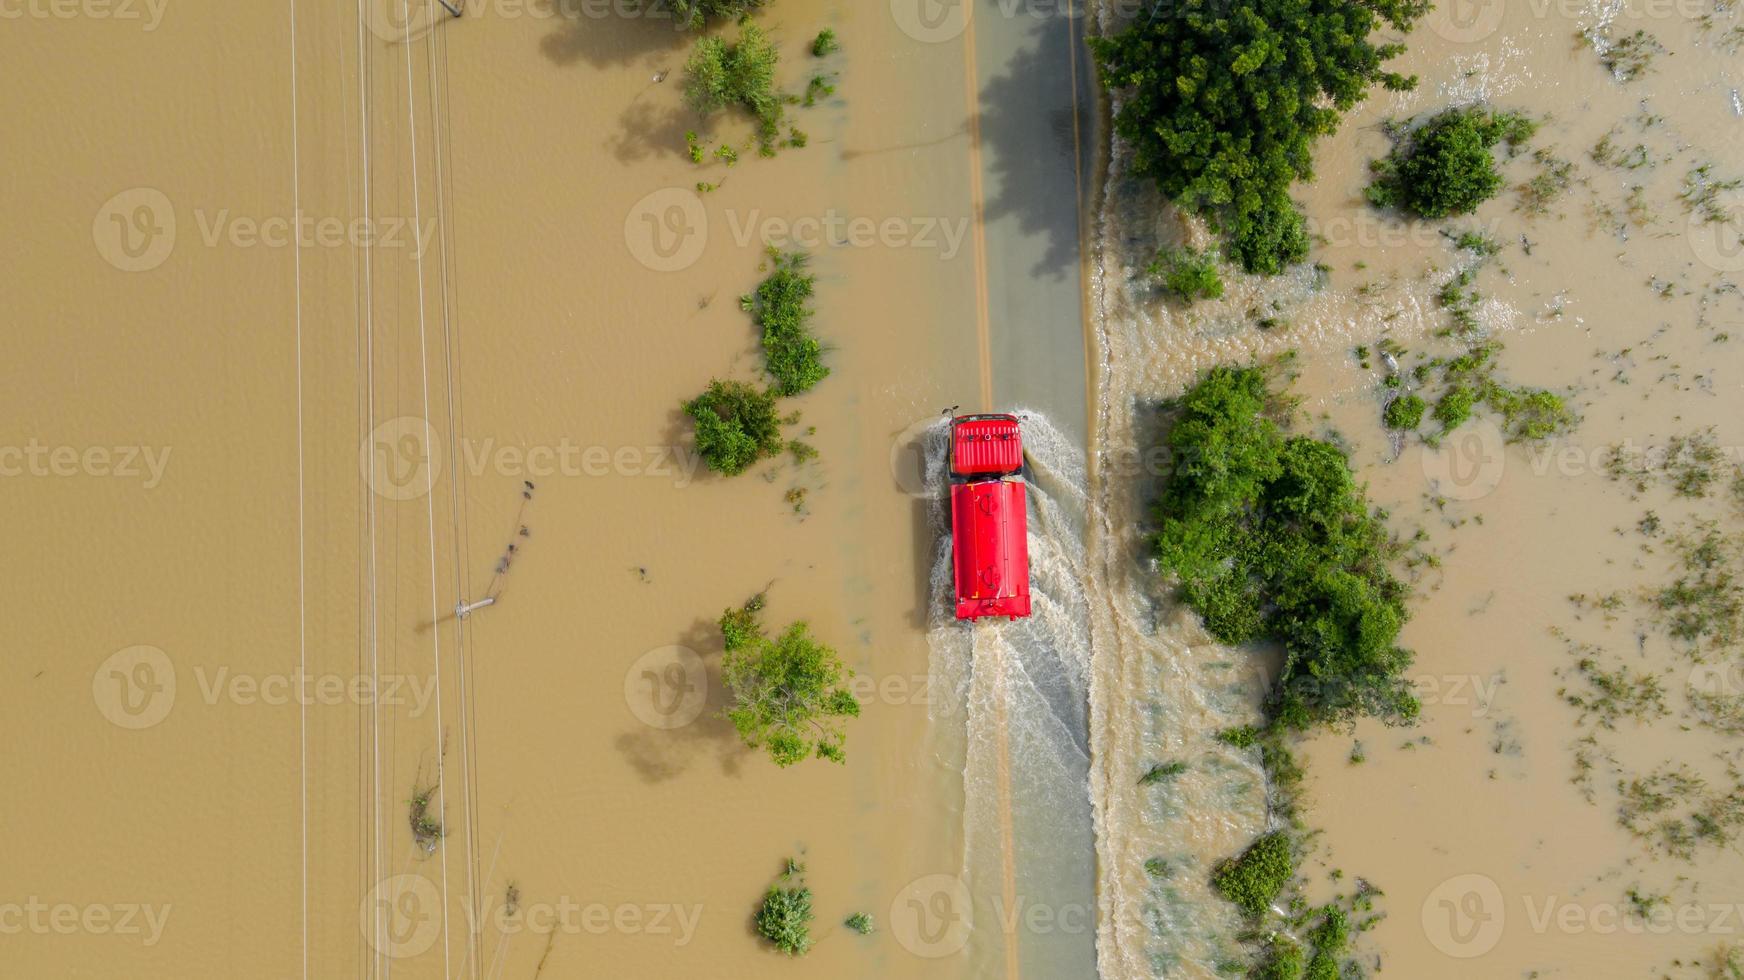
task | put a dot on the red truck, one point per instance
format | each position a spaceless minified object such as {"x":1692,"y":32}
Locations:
{"x":989,"y":527}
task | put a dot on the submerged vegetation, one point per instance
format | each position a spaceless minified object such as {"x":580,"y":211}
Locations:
{"x":1253,"y":880}
{"x":781,"y":307}
{"x":789,"y":693}
{"x":1446,"y":167}
{"x":723,"y":75}
{"x":1222,"y":102}
{"x":1271,"y":539}
{"x":736,"y":425}
{"x":786,"y":914}
{"x":1187,"y":274}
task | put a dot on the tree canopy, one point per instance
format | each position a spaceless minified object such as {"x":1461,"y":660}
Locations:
{"x":789,"y":693}
{"x":1272,"y":539}
{"x":1223,"y":100}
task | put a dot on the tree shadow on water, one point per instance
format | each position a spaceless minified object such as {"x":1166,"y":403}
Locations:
{"x":611,"y":35}
{"x":1027,"y":129}
{"x":660,"y":754}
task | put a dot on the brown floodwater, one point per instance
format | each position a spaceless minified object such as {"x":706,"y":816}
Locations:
{"x":503,"y":277}
{"x":1493,"y":859}
{"x":303,"y":299}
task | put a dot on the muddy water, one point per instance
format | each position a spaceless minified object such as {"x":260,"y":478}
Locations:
{"x":1494,"y":863}
{"x":504,"y":278}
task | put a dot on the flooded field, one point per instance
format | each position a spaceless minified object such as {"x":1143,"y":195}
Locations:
{"x":1565,"y":807}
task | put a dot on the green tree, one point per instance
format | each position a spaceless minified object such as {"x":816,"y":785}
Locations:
{"x":1271,"y":539}
{"x":1445,"y":166}
{"x":720,"y":76}
{"x":789,"y":693}
{"x":1223,"y":100}
{"x":736,"y":426}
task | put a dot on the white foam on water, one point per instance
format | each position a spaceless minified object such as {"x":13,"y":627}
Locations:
{"x":1058,"y":731}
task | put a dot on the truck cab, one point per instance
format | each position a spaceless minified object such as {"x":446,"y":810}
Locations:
{"x":989,"y":524}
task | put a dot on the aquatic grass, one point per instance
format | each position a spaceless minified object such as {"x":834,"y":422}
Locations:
{"x":1162,"y":772}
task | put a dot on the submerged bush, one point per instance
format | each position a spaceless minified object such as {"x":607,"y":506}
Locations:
{"x":1445,"y":166}
{"x":1223,"y":100}
{"x":785,"y":916}
{"x":781,"y":307}
{"x":1406,"y":412}
{"x":1188,"y":273}
{"x":1271,"y":539}
{"x":1255,"y":878}
{"x":720,"y":76}
{"x":736,"y":426}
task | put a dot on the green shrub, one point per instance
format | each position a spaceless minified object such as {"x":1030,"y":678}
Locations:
{"x":1187,"y":273}
{"x":860,"y":922}
{"x":720,"y":76}
{"x":825,"y":44}
{"x":1283,"y":961}
{"x":1455,"y":406}
{"x":742,"y":626}
{"x":1242,"y":737}
{"x":785,"y":916}
{"x":1223,"y":100}
{"x":1255,"y":878}
{"x":1406,"y":412}
{"x":1445,"y":166}
{"x":781,"y":307}
{"x":736,"y":426}
{"x":1271,"y":538}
